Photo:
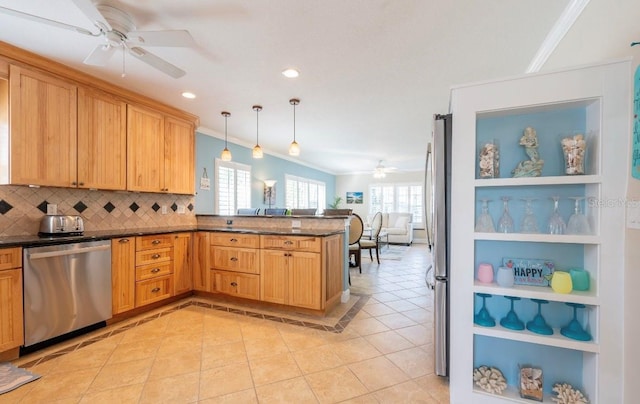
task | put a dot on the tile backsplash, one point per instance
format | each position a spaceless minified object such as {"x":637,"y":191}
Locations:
{"x":22,"y":208}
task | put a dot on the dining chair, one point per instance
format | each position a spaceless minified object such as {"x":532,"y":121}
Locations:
{"x":303,"y":212}
{"x":356,"y":227}
{"x":337,"y":212}
{"x":371,"y":242}
{"x":275,"y":211}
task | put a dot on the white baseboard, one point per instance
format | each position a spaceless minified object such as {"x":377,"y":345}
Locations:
{"x":346,"y":295}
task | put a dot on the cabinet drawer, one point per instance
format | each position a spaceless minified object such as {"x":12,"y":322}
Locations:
{"x":236,"y":284}
{"x":153,"y":290}
{"x":10,"y":258}
{"x":153,"y":241}
{"x":150,"y":271}
{"x":299,"y":243}
{"x":235,"y":259}
{"x":235,"y":240}
{"x":154,"y":256}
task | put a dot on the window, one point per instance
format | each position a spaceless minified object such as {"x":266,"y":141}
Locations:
{"x":398,"y":198}
{"x":303,"y":193}
{"x":232,"y":187}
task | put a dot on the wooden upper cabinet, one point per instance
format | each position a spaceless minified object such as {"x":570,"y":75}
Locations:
{"x":43,"y":129}
{"x":160,"y":152}
{"x":179,"y":145}
{"x":102,"y":141}
{"x":145,"y":150}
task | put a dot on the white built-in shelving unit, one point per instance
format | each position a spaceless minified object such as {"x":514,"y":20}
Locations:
{"x":594,"y":100}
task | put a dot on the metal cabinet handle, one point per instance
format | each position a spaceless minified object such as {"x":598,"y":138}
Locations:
{"x":155,"y":256}
{"x":233,"y":240}
{"x":155,"y":290}
{"x":234,"y":258}
{"x":81,"y":184}
{"x":155,"y":270}
{"x":73,"y":183}
{"x":234,"y":283}
{"x":123,"y":240}
{"x":155,"y":242}
{"x":288,"y":242}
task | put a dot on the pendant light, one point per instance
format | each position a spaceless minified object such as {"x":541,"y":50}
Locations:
{"x":226,"y":154}
{"x":294,"y":148}
{"x":257,"y":150}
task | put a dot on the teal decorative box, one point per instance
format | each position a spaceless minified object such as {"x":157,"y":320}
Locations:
{"x":530,"y":271}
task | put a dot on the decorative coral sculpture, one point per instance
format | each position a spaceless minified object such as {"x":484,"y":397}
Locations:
{"x":489,"y":379}
{"x":568,"y":395}
{"x":533,"y":166}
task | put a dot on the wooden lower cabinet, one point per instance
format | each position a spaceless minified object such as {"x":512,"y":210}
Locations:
{"x":236,"y":284}
{"x":11,"y":320}
{"x":201,"y":271}
{"x":291,"y":278}
{"x":123,"y":274}
{"x":182,"y":253}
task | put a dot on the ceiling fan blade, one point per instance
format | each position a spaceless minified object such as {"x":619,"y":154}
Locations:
{"x":90,"y":10}
{"x":45,"y":21}
{"x":162,"y":38}
{"x":100,"y":55}
{"x":157,"y":62}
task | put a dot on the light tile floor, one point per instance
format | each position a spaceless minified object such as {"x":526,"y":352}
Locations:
{"x":200,"y":355}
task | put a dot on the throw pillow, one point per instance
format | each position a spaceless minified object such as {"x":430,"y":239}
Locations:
{"x":401,"y":222}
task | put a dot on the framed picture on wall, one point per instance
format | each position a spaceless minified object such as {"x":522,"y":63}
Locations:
{"x":355,"y":197}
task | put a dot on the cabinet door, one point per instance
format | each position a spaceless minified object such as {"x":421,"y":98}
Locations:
{"x":43,"y":129}
{"x":305,"y":281}
{"x":102,"y":141}
{"x":145,"y":150}
{"x":201,"y":272}
{"x":274,"y":276}
{"x":11,"y":324}
{"x":123,"y":274}
{"x":179,"y":145}
{"x":182,"y":279}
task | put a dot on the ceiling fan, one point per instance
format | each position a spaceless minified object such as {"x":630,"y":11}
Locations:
{"x":381,"y":171}
{"x":118,"y":30}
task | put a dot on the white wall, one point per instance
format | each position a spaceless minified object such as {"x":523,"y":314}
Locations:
{"x":631,"y":282}
{"x":361,"y":182}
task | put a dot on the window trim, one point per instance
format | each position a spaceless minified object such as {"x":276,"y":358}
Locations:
{"x":309,"y":181}
{"x":416,"y":225}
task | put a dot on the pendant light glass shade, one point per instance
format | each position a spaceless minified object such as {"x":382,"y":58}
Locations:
{"x":226,"y":154}
{"x":257,"y":150}
{"x":294,"y":148}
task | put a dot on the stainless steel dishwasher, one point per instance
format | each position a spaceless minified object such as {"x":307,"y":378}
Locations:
{"x":67,"y":287}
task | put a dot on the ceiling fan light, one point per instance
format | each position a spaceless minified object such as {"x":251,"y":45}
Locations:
{"x":257,"y":152}
{"x":189,"y":95}
{"x":294,"y":149}
{"x":379,"y":171}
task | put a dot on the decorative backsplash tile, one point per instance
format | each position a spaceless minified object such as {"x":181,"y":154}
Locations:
{"x":22,"y":208}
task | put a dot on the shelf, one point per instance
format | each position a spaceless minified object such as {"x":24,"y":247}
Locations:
{"x":538,"y":292}
{"x":556,"y":340}
{"x":539,"y":238}
{"x":511,"y":393}
{"x":527,"y":181}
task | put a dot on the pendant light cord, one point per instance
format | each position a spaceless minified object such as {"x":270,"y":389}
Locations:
{"x":294,"y":121}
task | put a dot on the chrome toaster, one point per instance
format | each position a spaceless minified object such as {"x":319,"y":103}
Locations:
{"x":61,"y":225}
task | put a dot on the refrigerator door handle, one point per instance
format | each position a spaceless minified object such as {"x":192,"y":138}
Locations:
{"x":430,"y":279}
{"x":440,"y":328}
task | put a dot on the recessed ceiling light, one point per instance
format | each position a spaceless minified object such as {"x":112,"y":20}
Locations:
{"x":290,"y":73}
{"x":188,"y":95}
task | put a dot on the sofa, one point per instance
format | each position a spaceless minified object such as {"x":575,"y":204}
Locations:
{"x":398,"y":225}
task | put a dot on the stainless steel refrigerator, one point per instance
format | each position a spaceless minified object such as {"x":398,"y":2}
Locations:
{"x":438,"y":214}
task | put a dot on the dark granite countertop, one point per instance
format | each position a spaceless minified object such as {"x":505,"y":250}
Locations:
{"x":30,"y":241}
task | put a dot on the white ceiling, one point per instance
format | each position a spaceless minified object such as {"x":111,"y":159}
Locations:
{"x":373,"y":72}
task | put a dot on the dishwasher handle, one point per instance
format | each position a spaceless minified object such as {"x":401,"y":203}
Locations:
{"x":84,"y":250}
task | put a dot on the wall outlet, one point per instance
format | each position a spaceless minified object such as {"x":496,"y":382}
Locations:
{"x":164,"y":209}
{"x":296,"y":224}
{"x":52,"y":209}
{"x":229,"y":222}
{"x":181,"y":209}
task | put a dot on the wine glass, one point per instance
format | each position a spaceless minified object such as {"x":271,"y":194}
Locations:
{"x":578,"y":223}
{"x":556,"y":223}
{"x":574,"y":329}
{"x":505,"y":224}
{"x":529,"y":221}
{"x":485,"y":222}
{"x":511,"y":320}
{"x":483,"y":318}
{"x":539,"y":324}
